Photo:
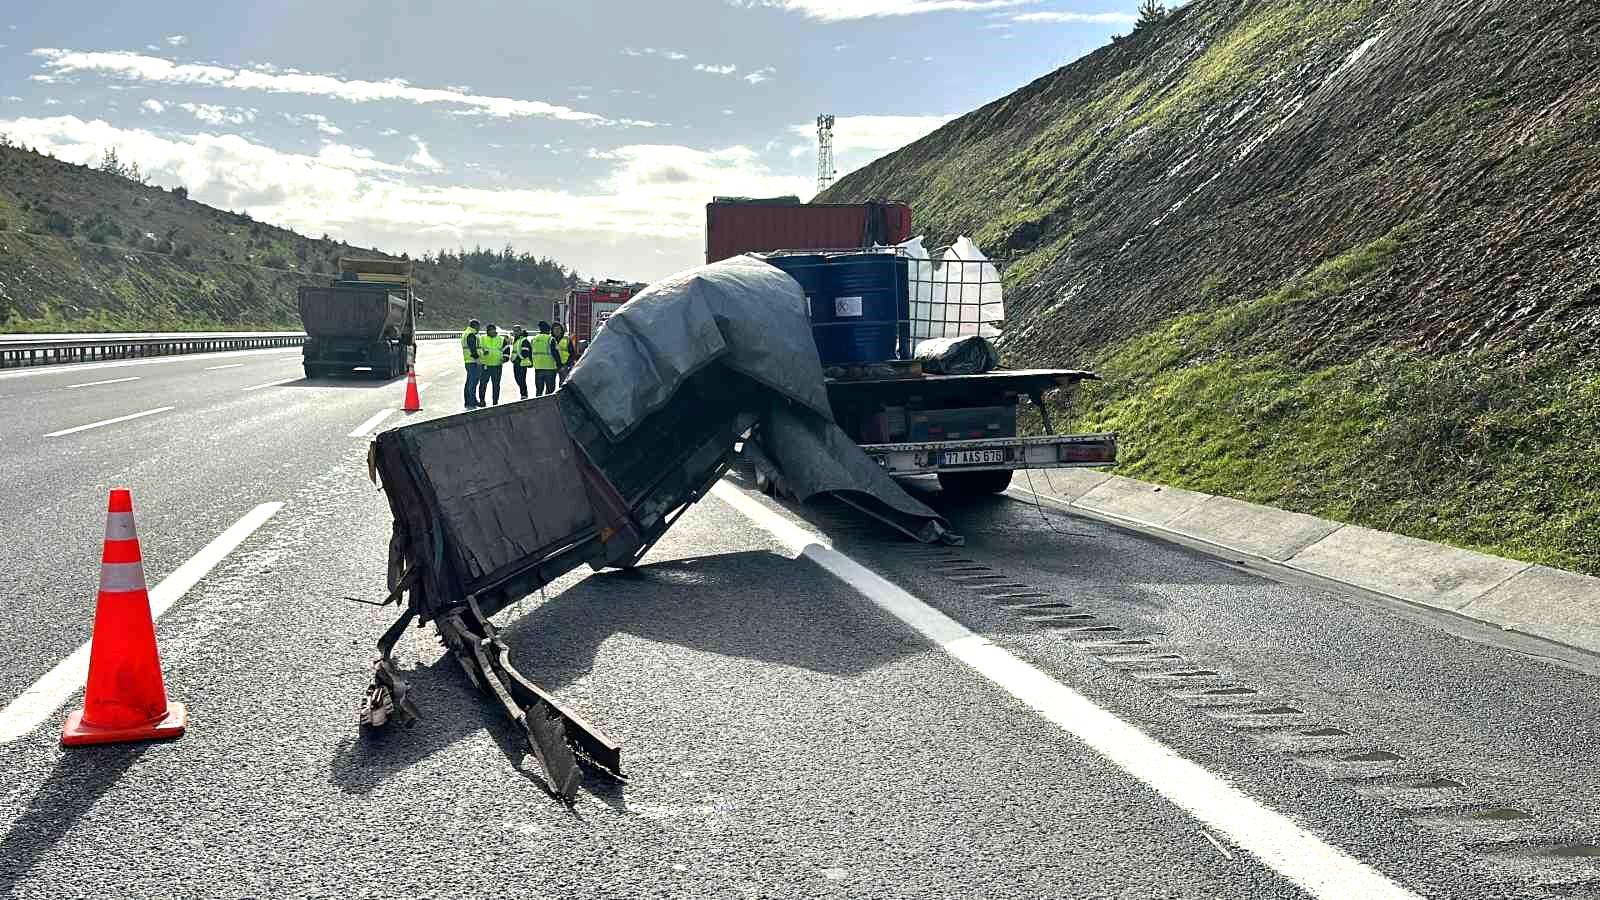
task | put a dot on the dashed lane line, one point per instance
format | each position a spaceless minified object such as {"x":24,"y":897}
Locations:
{"x":138,"y":415}
{"x":228,"y":366}
{"x":1317,"y":867}
{"x":40,"y":701}
{"x":257,"y":387}
{"x":365,"y":428}
{"x":107,"y":381}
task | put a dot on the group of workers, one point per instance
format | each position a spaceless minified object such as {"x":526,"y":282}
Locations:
{"x":549,"y":353}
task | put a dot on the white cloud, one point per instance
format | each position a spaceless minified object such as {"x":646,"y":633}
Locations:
{"x":655,"y":51}
{"x":716,"y":70}
{"x":155,"y":106}
{"x":875,"y":134}
{"x":321,"y":121}
{"x":761,"y":75}
{"x":845,"y":10}
{"x":177,"y":40}
{"x":423,"y":158}
{"x":388,"y":132}
{"x":355,"y":159}
{"x":653,"y":195}
{"x":799,"y":150}
{"x":51,"y":101}
{"x":139,"y":67}
{"x":1078,"y":18}
{"x":218,"y":115}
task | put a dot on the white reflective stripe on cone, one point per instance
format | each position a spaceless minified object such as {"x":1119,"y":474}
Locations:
{"x":120,"y":578}
{"x":119,"y":527}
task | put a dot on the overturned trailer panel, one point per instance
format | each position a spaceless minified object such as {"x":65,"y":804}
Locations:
{"x":490,"y":506}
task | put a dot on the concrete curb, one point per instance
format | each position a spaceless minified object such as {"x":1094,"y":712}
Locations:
{"x":1551,"y":604}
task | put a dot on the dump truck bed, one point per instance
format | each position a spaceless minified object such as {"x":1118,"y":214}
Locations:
{"x":368,"y":312}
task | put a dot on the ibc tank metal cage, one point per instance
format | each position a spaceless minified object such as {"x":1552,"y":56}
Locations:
{"x":943,"y":295}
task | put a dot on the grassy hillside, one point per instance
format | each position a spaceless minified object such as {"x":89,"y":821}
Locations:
{"x":83,"y":250}
{"x":1333,"y":255}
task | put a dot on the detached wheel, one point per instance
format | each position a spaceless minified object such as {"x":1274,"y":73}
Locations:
{"x":972,"y":484}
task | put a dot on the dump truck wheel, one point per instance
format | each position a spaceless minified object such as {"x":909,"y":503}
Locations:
{"x":972,"y":484}
{"x":313,"y":371}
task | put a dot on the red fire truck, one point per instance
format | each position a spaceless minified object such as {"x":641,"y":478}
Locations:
{"x":588,"y":307}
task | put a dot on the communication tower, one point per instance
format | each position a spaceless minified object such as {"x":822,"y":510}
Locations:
{"x":825,"y":170}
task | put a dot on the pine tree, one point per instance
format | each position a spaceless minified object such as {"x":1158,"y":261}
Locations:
{"x":1151,"y":12}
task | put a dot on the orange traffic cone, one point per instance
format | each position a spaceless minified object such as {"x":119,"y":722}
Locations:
{"x":413,"y":399}
{"x":125,"y":699}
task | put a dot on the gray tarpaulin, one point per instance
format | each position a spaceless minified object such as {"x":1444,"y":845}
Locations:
{"x":750,"y":318}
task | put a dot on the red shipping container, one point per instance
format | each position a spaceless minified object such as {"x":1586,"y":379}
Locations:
{"x":761,"y":226}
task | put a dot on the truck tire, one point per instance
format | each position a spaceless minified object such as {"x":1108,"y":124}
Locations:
{"x":972,"y":484}
{"x":313,"y":371}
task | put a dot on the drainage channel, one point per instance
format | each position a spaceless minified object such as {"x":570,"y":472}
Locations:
{"x":1439,"y":802}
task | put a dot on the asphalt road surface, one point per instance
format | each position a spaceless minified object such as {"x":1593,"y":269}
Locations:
{"x":808,"y":707}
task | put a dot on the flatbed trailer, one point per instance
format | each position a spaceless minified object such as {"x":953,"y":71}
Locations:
{"x":881,"y":414}
{"x":961,"y":428}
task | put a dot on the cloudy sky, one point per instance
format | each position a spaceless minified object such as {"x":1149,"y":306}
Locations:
{"x":591,"y":132}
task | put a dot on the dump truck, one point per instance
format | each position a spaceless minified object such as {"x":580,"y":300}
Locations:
{"x":365,"y":318}
{"x":872,"y":302}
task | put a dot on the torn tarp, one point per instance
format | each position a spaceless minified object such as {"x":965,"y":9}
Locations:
{"x":750,"y":318}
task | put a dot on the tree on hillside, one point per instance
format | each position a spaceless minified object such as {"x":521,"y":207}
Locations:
{"x":1151,"y":12}
{"x":111,"y":164}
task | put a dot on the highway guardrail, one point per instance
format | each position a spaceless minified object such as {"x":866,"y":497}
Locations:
{"x":18,"y":350}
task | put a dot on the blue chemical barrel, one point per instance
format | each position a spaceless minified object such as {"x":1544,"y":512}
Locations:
{"x":862,"y":324}
{"x":811,"y":270}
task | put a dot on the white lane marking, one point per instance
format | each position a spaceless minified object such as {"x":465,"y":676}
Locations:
{"x":31,"y":371}
{"x":257,"y":387}
{"x":107,"y":381}
{"x":1319,"y":868}
{"x":137,"y":415}
{"x":41,"y":700}
{"x":228,"y":366}
{"x":366,"y":427}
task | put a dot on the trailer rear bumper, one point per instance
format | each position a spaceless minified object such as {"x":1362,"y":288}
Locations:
{"x":1060,"y":451}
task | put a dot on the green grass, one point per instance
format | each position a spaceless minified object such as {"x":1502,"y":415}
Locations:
{"x":1492,"y":451}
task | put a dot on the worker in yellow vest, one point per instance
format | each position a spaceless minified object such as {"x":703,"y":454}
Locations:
{"x":563,"y":344}
{"x":469,"y":352}
{"x":521,"y":358}
{"x":545,"y":361}
{"x":491,"y":356}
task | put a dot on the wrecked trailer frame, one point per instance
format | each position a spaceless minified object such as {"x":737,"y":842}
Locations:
{"x":543,"y":491}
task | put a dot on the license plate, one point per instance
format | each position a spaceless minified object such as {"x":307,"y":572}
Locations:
{"x":973,"y":457}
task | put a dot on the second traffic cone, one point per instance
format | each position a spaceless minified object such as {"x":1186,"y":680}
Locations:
{"x":413,"y":399}
{"x":125,"y":699}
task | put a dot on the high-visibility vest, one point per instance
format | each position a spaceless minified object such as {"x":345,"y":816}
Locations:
{"x":541,"y":352}
{"x":492,"y":350}
{"x":522,"y":351}
{"x":564,"y":347}
{"x":465,"y":353}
